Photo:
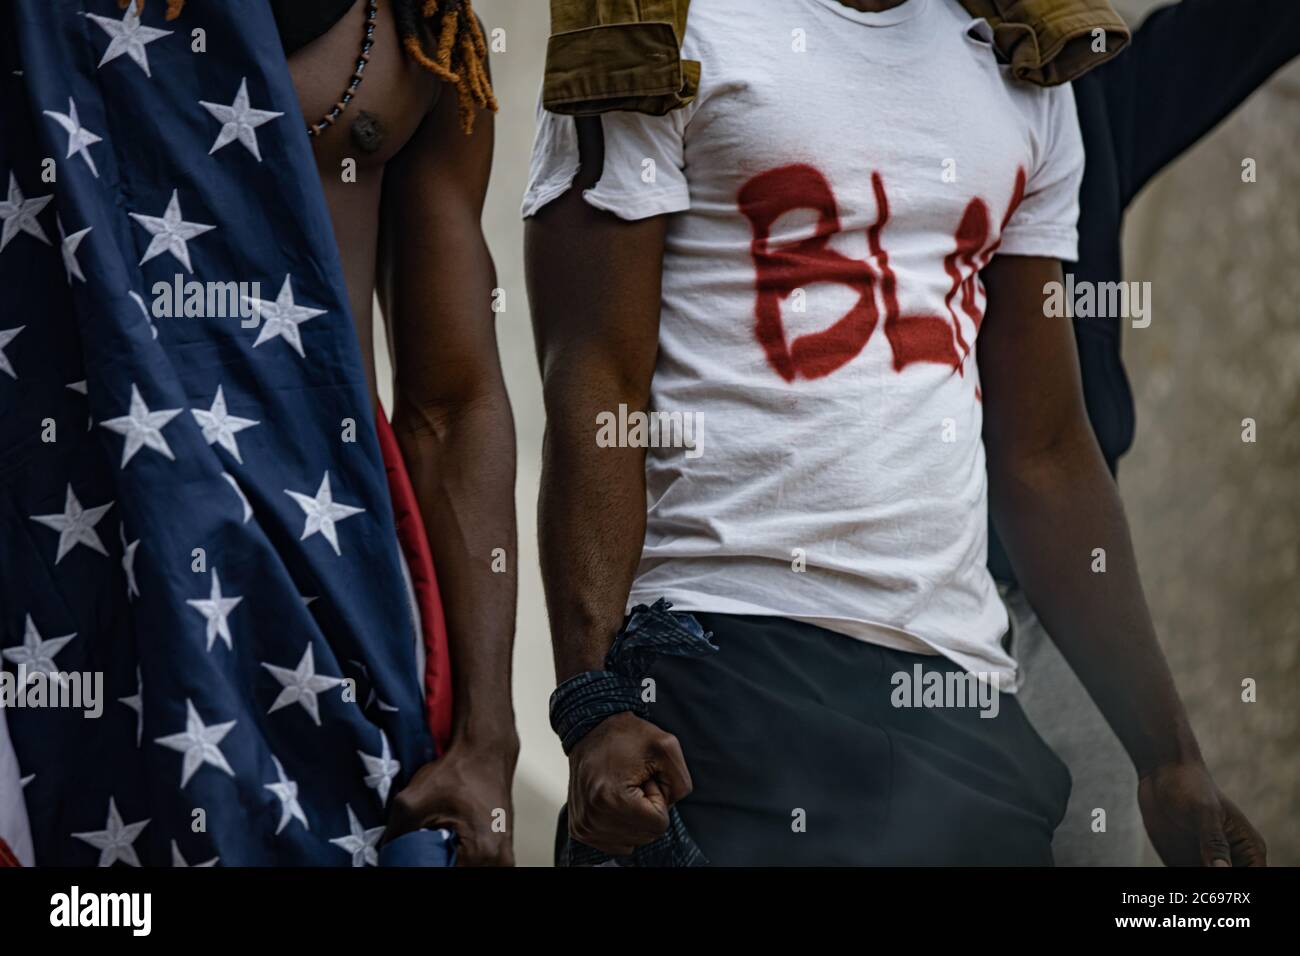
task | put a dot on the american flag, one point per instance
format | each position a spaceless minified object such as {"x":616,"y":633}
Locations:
{"x":194,"y":507}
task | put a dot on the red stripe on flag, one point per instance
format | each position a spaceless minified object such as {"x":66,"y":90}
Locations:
{"x":415,"y":547}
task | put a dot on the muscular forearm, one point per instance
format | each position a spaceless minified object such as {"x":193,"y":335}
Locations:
{"x":597,"y":332}
{"x":1059,"y":514}
{"x":591,"y":521}
{"x":462,"y":465}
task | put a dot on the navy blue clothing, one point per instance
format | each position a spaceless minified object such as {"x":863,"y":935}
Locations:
{"x":807,"y":748}
{"x":1188,"y":67}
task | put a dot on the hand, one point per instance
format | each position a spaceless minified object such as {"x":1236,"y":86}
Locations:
{"x":623,"y":777}
{"x":464,"y":791}
{"x":1192,"y":824}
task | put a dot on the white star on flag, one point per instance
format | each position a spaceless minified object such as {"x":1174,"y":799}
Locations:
{"x":220,"y":427}
{"x":128,"y":562}
{"x":136,"y":703}
{"x":322,"y":512}
{"x":287,"y":792}
{"x":239,"y":121}
{"x":301,"y":685}
{"x":380,"y":770}
{"x":128,"y":36}
{"x":76,"y":525}
{"x":35,"y":654}
{"x":282,"y":317}
{"x":243,"y":499}
{"x":179,"y":861}
{"x":198,"y":743}
{"x":360,"y":842}
{"x":69,"y":250}
{"x":170,"y":232}
{"x":19,"y":214}
{"x":216,"y":609}
{"x":142,"y":428}
{"x":114,"y":841}
{"x":7,"y":336}
{"x":80,"y":139}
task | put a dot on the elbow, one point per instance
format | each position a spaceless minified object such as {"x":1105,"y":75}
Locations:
{"x":600,"y":370}
{"x":1066,"y":458}
{"x":422,"y":421}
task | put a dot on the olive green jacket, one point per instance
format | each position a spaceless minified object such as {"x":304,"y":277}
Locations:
{"x":608,"y":55}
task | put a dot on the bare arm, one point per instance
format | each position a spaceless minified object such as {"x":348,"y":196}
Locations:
{"x":594,"y":287}
{"x":1054,"y":504}
{"x":594,"y":284}
{"x":452,"y":419}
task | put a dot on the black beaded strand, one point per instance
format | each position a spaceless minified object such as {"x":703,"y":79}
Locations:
{"x":330,"y":118}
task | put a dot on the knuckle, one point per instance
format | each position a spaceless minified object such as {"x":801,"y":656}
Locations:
{"x":603,"y":798}
{"x":597,"y":795}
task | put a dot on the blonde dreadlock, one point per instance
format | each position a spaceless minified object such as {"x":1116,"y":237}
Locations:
{"x":461,"y":53}
{"x":459,"y":58}
{"x":173,"y":7}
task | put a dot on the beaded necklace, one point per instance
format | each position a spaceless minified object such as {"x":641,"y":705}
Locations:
{"x":330,"y":118}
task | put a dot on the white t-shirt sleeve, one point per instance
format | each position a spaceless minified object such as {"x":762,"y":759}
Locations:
{"x":1046,"y":223}
{"x":644,"y":164}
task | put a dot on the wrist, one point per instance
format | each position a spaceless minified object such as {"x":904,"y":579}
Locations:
{"x":496,"y":737}
{"x":589,"y":633}
{"x":587,"y":699}
{"x":1180,"y":751}
{"x":571,"y":666}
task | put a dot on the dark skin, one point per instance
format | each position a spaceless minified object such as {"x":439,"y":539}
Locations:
{"x":409,"y":230}
{"x":1050,"y":493}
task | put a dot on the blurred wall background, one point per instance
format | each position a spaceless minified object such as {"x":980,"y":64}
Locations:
{"x":1216,"y":520}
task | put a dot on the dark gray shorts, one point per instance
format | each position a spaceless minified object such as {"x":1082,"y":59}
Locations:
{"x":799,"y":758}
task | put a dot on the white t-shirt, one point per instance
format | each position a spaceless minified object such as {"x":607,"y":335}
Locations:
{"x":836,"y":187}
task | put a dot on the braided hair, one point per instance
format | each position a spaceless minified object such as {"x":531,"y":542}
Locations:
{"x":459,"y":56}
